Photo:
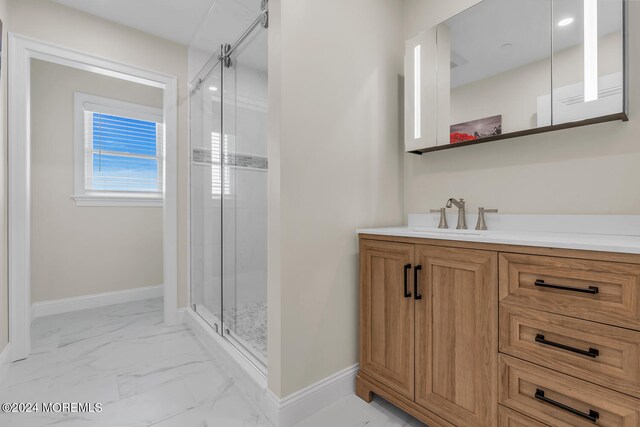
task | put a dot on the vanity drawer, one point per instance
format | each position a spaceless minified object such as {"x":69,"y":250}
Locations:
{"x":606,"y":355}
{"x":601,"y":291}
{"x":563,"y":401}
{"x":511,"y":418}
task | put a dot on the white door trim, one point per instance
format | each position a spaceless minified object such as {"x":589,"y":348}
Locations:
{"x":21,"y":51}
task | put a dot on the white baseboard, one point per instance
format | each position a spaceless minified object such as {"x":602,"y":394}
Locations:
{"x":5,"y":356}
{"x":182,"y":315}
{"x":65,"y":305}
{"x":306,"y":402}
{"x":5,"y":359}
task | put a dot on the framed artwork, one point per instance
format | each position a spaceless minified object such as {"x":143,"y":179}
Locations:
{"x":476,"y":129}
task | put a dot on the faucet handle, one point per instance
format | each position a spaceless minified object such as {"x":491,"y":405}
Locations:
{"x":482,"y":225}
{"x":443,"y":217}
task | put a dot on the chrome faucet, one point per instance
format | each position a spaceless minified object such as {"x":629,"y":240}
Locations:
{"x":460,"y":204}
{"x":443,"y":217}
{"x":482,"y":225}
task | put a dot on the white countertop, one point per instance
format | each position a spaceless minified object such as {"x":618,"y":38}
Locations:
{"x":596,"y":239}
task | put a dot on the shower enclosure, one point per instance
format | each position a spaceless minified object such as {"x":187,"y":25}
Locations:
{"x":228,"y":121}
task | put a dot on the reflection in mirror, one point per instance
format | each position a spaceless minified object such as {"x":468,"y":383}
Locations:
{"x":499,"y":53}
{"x":588,"y":61}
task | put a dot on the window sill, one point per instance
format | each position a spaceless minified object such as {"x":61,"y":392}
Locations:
{"x":117,"y":201}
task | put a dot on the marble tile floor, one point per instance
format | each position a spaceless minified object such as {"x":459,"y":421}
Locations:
{"x":145,"y":374}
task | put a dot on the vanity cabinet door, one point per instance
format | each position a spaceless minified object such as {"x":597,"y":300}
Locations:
{"x":457,"y":334}
{"x":387,"y":314}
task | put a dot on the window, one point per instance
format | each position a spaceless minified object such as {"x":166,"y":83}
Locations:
{"x":119,"y":157}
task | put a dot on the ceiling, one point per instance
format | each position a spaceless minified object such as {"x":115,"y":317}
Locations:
{"x":175,"y":20}
{"x":525,"y":26}
{"x":199,"y":23}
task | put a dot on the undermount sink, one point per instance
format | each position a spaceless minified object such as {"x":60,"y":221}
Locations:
{"x":446,"y":231}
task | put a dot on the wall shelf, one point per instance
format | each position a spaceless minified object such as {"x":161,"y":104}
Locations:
{"x":609,"y":118}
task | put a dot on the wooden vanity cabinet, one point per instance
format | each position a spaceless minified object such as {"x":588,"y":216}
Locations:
{"x":484,"y":335}
{"x":429,"y":330}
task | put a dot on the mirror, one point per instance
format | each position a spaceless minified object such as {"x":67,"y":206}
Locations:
{"x":508,"y":68}
{"x":588,"y":61}
{"x":500,"y":63}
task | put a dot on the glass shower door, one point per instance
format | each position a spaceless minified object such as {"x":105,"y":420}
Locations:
{"x":228,"y":123}
{"x":245,"y":206}
{"x":207,"y":197}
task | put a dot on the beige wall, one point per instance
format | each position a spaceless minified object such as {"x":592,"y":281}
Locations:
{"x":51,"y":22}
{"x":4,"y":304}
{"x":588,"y":170}
{"x":82,"y":250}
{"x":339,"y":167}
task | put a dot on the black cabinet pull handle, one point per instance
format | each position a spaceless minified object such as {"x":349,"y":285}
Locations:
{"x":416,"y":275}
{"x":407,"y":294}
{"x":591,"y":416}
{"x":590,"y":290}
{"x":592,"y":352}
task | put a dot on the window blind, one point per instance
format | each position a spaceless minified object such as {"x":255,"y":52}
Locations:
{"x":122,"y":154}
{"x":216,"y":175}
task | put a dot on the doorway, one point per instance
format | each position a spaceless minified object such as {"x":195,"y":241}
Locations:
{"x":22,"y":52}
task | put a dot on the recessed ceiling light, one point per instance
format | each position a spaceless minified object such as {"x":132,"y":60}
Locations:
{"x":213,"y":88}
{"x":564,"y":22}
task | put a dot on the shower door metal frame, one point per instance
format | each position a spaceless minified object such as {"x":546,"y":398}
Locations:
{"x":212,"y":64}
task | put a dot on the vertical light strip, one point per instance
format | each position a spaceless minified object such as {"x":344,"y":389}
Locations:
{"x":590,"y":50}
{"x":417,"y":114}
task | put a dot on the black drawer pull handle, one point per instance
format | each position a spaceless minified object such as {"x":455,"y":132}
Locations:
{"x":592,"y":352}
{"x":591,"y":416}
{"x":407,"y":294}
{"x":590,"y":290}
{"x":416,"y":275}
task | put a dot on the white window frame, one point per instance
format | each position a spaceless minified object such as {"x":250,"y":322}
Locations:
{"x":83,"y":197}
